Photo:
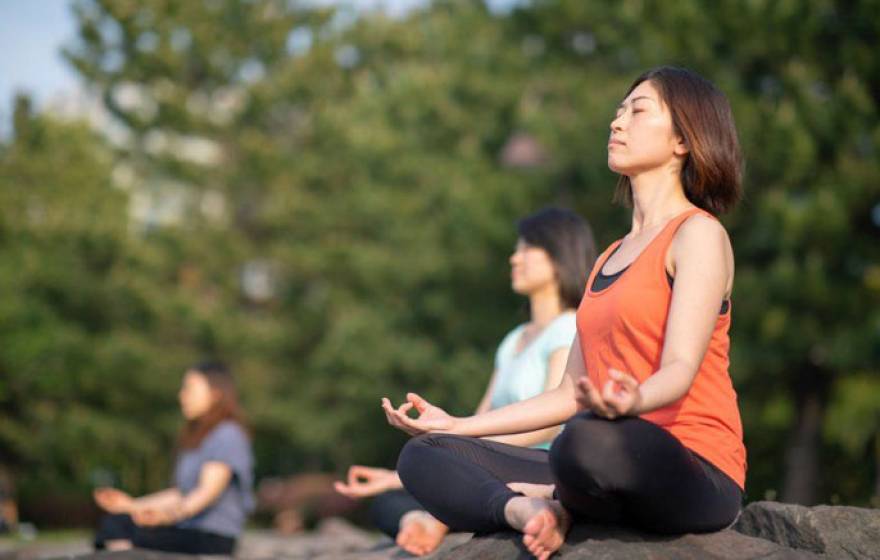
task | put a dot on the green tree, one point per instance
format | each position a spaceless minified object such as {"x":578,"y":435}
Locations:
{"x":84,"y":363}
{"x":327,"y":200}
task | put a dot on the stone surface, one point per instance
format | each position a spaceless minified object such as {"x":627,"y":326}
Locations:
{"x":766,"y":530}
{"x":835,"y":531}
{"x":611,"y":543}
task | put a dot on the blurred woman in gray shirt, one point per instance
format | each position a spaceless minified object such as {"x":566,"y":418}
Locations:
{"x":204,"y":512}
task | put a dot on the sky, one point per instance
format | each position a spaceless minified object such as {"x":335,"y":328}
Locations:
{"x":31,"y":35}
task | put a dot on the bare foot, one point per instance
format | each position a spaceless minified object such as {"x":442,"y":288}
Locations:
{"x":420,"y":533}
{"x":117,"y":545}
{"x":544,"y":524}
{"x":530,"y":490}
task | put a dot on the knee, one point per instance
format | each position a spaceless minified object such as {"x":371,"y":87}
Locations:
{"x":412,"y":457}
{"x":587,"y":447}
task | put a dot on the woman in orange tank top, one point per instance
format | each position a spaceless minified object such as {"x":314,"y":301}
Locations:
{"x":652,"y":436}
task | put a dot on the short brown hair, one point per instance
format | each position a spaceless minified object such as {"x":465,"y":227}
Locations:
{"x":712,"y":171}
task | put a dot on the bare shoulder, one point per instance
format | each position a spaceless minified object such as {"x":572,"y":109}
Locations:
{"x":700,"y":234}
{"x":702,"y":243}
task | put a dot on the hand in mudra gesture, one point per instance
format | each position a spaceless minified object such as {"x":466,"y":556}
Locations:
{"x":154,"y":517}
{"x":430,"y":418}
{"x":619,"y":397}
{"x":363,"y":482}
{"x":112,"y":500}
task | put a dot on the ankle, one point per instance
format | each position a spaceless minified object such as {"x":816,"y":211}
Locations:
{"x":416,"y":516}
{"x":519,"y":509}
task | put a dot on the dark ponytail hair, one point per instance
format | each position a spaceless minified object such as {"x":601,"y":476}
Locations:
{"x":568,"y":240}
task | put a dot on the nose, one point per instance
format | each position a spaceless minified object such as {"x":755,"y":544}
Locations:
{"x":514,"y":258}
{"x":617,"y":122}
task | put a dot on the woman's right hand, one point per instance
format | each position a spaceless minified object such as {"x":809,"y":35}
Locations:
{"x":364,"y":482}
{"x":430,"y":419}
{"x":112,"y":500}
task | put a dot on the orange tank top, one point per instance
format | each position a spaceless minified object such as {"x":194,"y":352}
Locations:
{"x":624,"y":326}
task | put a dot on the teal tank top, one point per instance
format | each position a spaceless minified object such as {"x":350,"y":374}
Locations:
{"x":523,"y":375}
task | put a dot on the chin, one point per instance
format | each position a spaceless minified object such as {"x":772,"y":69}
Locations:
{"x":519,"y":289}
{"x":616,"y":167}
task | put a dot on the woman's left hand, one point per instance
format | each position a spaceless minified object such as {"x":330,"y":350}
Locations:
{"x":619,"y":397}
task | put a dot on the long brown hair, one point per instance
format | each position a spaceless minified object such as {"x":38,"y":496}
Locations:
{"x":226,"y":406}
{"x":712,"y":171}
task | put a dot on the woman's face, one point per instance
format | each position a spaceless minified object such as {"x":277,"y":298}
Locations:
{"x":196,"y":395}
{"x":531,"y":269}
{"x":642,"y":136}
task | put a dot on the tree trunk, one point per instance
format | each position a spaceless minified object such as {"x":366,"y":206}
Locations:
{"x":875,"y":498}
{"x":802,"y":464}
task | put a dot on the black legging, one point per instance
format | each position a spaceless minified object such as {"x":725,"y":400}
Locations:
{"x":166,"y":539}
{"x":627,"y":471}
{"x":389,"y":507}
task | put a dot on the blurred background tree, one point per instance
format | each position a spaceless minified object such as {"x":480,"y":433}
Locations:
{"x":327,"y":199}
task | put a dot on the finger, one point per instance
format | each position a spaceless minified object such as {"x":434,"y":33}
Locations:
{"x":611,"y":399}
{"x":597,"y":403}
{"x":618,"y":393}
{"x":404,"y":408}
{"x":608,"y":392}
{"x":407,"y":424}
{"x":357,"y":472}
{"x":397,"y":419}
{"x":417,"y":401}
{"x":345,"y":490}
{"x":583,"y":389}
{"x":624,"y":379}
{"x":582,"y":395}
{"x":389,"y":413}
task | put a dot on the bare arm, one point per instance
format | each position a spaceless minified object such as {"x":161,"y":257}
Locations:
{"x":703,"y":261}
{"x":214,"y":477}
{"x":545,"y":410}
{"x":161,"y":499}
{"x":555,"y":373}
{"x":113,"y":500}
{"x":213,"y":480}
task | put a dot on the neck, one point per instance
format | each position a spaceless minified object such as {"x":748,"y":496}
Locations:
{"x":657,"y":196}
{"x":545,"y":305}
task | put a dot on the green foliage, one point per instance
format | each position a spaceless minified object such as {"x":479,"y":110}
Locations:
{"x":359,"y":163}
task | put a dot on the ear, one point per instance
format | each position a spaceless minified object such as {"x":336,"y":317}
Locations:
{"x":681,"y":148}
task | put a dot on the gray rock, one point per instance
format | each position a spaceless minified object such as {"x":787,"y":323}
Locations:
{"x":766,"y":530}
{"x":836,"y":531}
{"x":597,"y":542}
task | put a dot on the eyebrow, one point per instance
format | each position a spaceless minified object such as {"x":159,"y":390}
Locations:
{"x":633,"y":100}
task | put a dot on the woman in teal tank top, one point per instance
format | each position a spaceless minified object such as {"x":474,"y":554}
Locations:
{"x":554,"y":254}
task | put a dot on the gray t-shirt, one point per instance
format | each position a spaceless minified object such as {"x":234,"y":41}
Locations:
{"x":228,"y":444}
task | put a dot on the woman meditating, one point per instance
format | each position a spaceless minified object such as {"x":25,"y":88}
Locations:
{"x":553,"y":255}
{"x":652,"y":436}
{"x":205,"y":511}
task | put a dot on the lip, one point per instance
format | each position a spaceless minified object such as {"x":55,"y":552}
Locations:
{"x":616,"y":142}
